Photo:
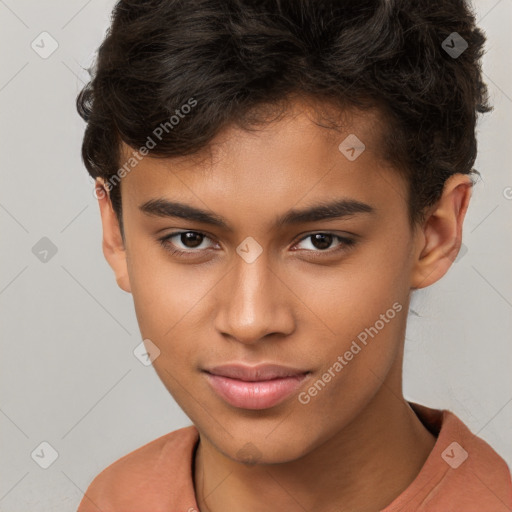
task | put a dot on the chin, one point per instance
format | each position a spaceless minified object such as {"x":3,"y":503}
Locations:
{"x":261,"y":450}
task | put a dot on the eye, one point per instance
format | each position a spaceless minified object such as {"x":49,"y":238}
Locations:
{"x":321,"y":242}
{"x":191,"y":242}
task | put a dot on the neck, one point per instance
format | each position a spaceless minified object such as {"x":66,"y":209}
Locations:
{"x":362,"y":468}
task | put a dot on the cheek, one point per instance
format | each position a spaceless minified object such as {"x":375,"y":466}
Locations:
{"x":164,"y":293}
{"x":173,"y":310}
{"x":362,"y":307}
{"x":362,"y":360}
{"x":346,"y":299}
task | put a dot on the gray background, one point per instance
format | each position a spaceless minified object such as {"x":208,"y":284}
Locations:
{"x":68,"y":373}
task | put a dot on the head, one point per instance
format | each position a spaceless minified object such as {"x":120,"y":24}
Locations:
{"x":275,"y":179}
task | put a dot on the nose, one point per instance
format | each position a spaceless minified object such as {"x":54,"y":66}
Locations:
{"x":254,"y":303}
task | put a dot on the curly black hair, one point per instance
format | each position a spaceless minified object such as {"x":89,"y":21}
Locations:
{"x":185,"y":69}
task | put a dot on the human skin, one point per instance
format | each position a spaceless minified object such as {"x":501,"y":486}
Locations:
{"x":357,"y":444}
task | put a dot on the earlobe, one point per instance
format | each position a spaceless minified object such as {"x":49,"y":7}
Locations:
{"x":440,"y":237}
{"x":113,"y":245}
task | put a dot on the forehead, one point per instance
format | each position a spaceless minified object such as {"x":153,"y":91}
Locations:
{"x":287,"y":117}
{"x":305,"y":153}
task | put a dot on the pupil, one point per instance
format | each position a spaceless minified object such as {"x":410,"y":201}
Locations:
{"x":322,"y":240}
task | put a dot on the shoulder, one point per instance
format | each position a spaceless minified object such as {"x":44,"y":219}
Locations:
{"x":482,"y":465}
{"x":462,"y":469}
{"x":142,"y":475}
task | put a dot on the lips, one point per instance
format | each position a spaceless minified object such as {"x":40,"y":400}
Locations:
{"x":256,"y":387}
{"x":255,"y":373}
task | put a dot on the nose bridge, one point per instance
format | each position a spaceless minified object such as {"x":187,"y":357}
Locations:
{"x":254,"y":304}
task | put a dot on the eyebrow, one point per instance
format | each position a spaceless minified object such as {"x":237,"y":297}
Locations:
{"x":338,"y":209}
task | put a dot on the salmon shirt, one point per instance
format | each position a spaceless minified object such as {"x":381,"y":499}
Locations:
{"x":461,"y":474}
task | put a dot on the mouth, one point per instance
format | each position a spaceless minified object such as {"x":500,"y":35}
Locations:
{"x":258,"y":387}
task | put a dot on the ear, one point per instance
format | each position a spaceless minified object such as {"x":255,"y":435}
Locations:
{"x":440,"y":237}
{"x":113,"y":245}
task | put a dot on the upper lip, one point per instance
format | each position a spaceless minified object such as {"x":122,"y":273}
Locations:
{"x":255,"y":373}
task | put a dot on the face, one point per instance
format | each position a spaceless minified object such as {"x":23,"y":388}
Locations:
{"x":269,"y":277}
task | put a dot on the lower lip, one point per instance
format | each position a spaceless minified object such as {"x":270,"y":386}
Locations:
{"x":254,"y":395}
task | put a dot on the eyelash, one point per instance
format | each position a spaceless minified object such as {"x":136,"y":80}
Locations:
{"x":346,"y":244}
